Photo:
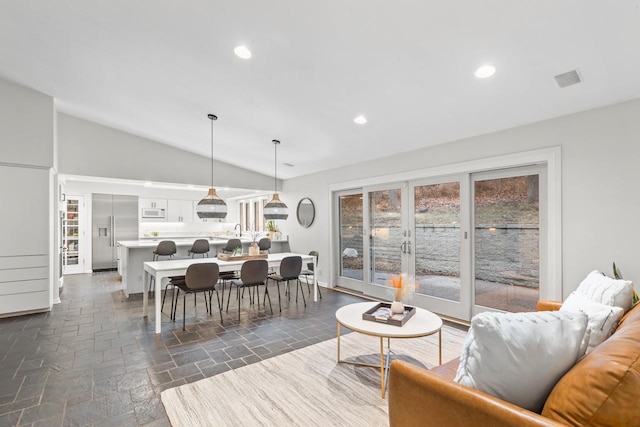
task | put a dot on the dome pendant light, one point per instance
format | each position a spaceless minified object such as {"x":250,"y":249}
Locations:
{"x":275,"y":209}
{"x":212,"y":206}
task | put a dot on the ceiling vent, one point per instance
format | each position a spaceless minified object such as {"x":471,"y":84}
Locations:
{"x":569,"y":78}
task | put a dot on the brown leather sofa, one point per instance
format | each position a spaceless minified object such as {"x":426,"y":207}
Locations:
{"x":602,"y":389}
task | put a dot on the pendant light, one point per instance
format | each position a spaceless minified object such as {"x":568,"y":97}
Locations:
{"x":212,"y":206}
{"x":275,"y":209}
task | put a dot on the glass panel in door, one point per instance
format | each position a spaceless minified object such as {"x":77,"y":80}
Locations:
{"x":437,"y":240}
{"x":72,"y":223}
{"x":507,"y":242}
{"x":386,"y":235}
{"x":351,"y":240}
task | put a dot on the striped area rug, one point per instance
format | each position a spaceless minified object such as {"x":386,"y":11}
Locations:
{"x":304,"y":387}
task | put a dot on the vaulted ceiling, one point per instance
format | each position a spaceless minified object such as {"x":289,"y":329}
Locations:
{"x":156,"y":68}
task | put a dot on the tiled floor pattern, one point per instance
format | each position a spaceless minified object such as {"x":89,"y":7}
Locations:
{"x":93,"y":360}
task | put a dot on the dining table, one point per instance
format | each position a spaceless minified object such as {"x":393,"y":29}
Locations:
{"x":162,"y":270}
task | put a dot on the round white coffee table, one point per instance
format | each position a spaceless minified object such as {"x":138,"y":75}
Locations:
{"x":421,"y":324}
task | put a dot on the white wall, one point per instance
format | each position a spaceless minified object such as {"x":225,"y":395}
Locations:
{"x":90,"y":149}
{"x":26,"y":126}
{"x":26,"y":157}
{"x":600,"y":202}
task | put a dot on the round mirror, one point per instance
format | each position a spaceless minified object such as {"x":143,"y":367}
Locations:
{"x":306,"y":212}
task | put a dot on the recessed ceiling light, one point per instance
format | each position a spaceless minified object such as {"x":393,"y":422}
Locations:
{"x":485,"y":71}
{"x":242,"y":52}
{"x":360,"y":120}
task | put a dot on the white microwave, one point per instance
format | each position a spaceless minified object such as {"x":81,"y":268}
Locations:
{"x":152,"y":213}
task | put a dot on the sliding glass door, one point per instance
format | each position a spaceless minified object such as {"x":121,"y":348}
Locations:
{"x":439,"y":224}
{"x":470,"y":242}
{"x":388,"y":243}
{"x":507,"y":245}
{"x":351,"y":240}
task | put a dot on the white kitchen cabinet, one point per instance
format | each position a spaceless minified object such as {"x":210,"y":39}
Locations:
{"x":152,"y":203}
{"x":180,"y":211}
{"x":152,"y":210}
{"x":25,"y":231}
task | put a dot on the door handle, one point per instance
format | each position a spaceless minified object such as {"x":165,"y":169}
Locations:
{"x":403,"y":247}
{"x":113,"y":230}
{"x":408,"y":247}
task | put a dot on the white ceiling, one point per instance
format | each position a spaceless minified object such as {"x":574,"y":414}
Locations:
{"x":156,"y":68}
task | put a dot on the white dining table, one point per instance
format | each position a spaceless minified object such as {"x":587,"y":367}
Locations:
{"x":162,"y":270}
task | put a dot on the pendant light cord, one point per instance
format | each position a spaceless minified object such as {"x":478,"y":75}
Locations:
{"x":275,"y":176}
{"x":212,"y":117}
{"x":211,"y":153}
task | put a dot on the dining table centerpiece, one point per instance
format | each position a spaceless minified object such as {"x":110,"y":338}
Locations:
{"x":255,"y":235}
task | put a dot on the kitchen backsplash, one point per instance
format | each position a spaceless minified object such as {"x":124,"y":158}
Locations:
{"x":158,"y":229}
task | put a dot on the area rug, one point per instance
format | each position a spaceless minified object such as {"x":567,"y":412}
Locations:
{"x":304,"y":387}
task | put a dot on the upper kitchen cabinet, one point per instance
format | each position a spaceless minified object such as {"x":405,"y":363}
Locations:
{"x":152,"y":210}
{"x":180,"y":211}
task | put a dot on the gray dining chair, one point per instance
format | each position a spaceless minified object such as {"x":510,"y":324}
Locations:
{"x":264,"y":244}
{"x":253,"y":274}
{"x":290,"y":269}
{"x":166,"y":249}
{"x":232,"y":244}
{"x":309,"y":272}
{"x":199,"y":278}
{"x":199,"y":247}
{"x":229,"y":248}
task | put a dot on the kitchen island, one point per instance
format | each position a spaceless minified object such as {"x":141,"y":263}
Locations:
{"x":133,"y":253}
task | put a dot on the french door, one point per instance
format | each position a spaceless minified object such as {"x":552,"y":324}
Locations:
{"x":466,"y":243}
{"x":439,"y":264}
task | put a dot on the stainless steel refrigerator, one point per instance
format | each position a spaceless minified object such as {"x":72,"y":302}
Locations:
{"x":114,"y":218}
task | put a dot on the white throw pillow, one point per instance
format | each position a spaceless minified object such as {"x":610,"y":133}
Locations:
{"x":519,"y":357}
{"x":605,"y":290}
{"x":603,"y":319}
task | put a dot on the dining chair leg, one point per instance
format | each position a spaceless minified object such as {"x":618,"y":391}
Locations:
{"x":184,"y":310}
{"x":173,"y":301}
{"x":279,"y":302}
{"x":299,"y":285}
{"x":266,"y":293}
{"x":164,"y":295}
{"x":174,"y":307}
{"x":253,"y":292}
{"x":229,"y":296}
{"x":266,"y":284}
{"x":219,"y":304}
{"x":223,"y":284}
{"x":239,"y":302}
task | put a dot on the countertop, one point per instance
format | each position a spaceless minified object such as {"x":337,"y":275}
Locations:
{"x":152,"y":243}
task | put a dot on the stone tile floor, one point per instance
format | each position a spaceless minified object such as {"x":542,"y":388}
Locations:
{"x":95,"y":361}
